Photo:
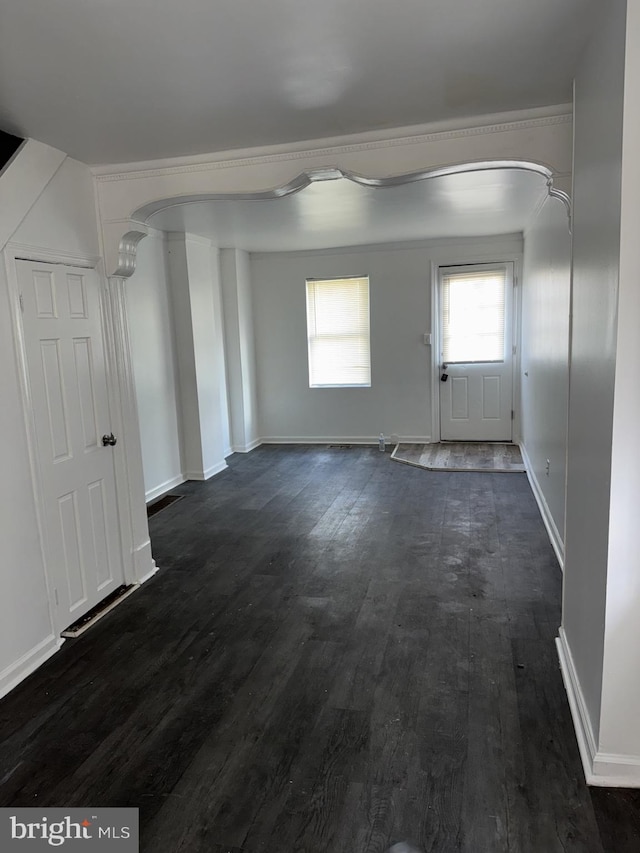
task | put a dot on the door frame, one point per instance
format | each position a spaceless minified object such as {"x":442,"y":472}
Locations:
{"x":12,"y":253}
{"x":470,"y":259}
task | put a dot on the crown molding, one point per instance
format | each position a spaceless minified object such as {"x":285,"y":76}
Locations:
{"x":418,"y":135}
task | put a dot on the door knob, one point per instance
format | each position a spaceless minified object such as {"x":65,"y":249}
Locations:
{"x":109,"y":440}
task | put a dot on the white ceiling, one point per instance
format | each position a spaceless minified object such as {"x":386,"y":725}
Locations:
{"x":342,"y":213}
{"x":124,"y":80}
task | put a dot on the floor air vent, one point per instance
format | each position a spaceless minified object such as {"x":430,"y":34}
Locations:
{"x":163,"y":503}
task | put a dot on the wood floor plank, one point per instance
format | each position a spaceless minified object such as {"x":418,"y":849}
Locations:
{"x":337,"y":654}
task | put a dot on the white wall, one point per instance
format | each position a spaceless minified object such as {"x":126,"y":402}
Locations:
{"x":399,"y":400}
{"x":22,"y":183}
{"x":596,"y":249}
{"x":620,"y":716}
{"x":546,"y":282}
{"x":65,"y":215}
{"x":154,"y":364}
{"x":62,"y":220}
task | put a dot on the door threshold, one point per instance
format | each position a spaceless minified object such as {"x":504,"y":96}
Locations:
{"x":96,"y":613}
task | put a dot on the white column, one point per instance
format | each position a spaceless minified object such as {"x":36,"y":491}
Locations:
{"x":195,"y":289}
{"x":239,"y":338}
{"x":139,"y":563}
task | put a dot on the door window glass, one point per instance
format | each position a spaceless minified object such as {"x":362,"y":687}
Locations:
{"x":473,"y":316}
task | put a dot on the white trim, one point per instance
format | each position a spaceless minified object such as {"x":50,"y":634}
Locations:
{"x":246,"y":448}
{"x":16,"y":672}
{"x":577,"y":704}
{"x":434,"y":355}
{"x":144,"y":566}
{"x":208,"y":473}
{"x":543,"y":506}
{"x":399,"y":136}
{"x":149,"y":574}
{"x":601,"y":769}
{"x":154,"y":493}
{"x":44,"y":255}
{"x":342,"y":439}
{"x":615,"y":771}
{"x":516,"y":384}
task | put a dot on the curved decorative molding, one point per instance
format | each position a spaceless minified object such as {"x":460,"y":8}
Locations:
{"x":121,"y":239}
{"x":332,"y":173}
{"x":127,"y":252}
{"x":564,"y":197}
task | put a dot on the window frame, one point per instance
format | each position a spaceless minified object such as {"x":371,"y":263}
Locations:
{"x":341,"y":278}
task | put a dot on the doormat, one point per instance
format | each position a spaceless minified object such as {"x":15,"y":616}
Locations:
{"x":162,"y":503}
{"x":101,"y":609}
{"x":496,"y":458}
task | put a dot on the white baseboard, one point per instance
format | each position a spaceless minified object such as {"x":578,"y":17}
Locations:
{"x":246,"y":448}
{"x":577,"y":704}
{"x":149,"y":574}
{"x":16,"y":672}
{"x":154,"y":493}
{"x":342,"y":439}
{"x":552,"y":530}
{"x":601,"y":769}
{"x":615,"y":771}
{"x":144,"y":566}
{"x":207,"y":474}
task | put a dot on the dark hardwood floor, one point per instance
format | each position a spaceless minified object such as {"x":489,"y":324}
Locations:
{"x":338,"y":653}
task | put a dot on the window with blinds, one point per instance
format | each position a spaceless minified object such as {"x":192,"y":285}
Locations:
{"x":338,"y":332}
{"x":473,"y":315}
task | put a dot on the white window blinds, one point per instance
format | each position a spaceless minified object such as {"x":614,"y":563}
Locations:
{"x":473,"y":316}
{"x":338,"y":332}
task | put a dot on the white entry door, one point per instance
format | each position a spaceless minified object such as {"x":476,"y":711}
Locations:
{"x":68,"y":385}
{"x":476,"y":352}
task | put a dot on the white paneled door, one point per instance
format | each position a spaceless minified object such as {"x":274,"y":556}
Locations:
{"x":476,"y":352}
{"x":68,"y":387}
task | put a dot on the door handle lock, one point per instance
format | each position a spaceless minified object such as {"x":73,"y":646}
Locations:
{"x":444,"y":375}
{"x":109,"y":440}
